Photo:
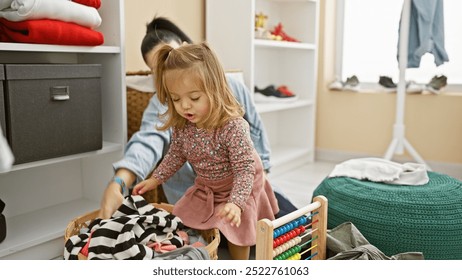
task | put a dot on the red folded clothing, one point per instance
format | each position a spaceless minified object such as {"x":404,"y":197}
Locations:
{"x":47,"y":31}
{"x":92,"y":3}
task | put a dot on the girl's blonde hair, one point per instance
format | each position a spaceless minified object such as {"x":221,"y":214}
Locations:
{"x":201,"y":61}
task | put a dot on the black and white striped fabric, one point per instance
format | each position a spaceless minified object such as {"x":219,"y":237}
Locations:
{"x":126,"y":234}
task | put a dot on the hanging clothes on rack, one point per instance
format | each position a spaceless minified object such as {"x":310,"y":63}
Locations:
{"x":426,"y":32}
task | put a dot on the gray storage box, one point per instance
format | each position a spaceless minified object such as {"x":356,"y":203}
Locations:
{"x":52,"y":110}
{"x":2,"y":101}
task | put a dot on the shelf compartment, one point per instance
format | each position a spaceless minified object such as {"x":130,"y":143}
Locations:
{"x":42,"y":197}
{"x":298,"y":18}
{"x":289,"y":67}
{"x":42,"y":226}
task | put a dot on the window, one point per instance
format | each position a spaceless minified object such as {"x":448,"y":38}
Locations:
{"x":368,"y":44}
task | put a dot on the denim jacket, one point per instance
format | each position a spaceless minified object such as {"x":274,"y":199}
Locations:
{"x":146,"y":147}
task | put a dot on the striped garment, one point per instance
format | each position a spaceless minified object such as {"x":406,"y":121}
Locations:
{"x":127,"y":233}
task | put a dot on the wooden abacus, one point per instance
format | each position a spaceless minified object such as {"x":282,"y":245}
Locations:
{"x":282,"y":238}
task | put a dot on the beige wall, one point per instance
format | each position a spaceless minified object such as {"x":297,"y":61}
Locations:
{"x":363,"y":122}
{"x":348,"y":122}
{"x":187,"y":14}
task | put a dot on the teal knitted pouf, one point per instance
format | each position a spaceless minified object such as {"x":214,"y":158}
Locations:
{"x":398,"y":218}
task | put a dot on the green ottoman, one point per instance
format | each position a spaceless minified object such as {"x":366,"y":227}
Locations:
{"x":398,"y":218}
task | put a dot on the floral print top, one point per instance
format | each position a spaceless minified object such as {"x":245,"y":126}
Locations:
{"x":215,"y":155}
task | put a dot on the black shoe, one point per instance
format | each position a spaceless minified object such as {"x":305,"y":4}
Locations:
{"x":271,"y":91}
{"x":387,"y":82}
{"x":436,"y":84}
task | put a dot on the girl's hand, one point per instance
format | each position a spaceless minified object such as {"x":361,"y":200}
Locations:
{"x":144,"y":186}
{"x":232,"y":213}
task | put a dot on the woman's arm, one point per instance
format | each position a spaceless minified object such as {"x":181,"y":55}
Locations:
{"x":142,"y":153}
{"x":257,"y":129}
{"x":147,"y":146}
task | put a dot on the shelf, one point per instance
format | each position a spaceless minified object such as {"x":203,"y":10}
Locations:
{"x":43,"y":196}
{"x":37,"y":227}
{"x":273,"y":107}
{"x":107,"y":148}
{"x":18,"y":47}
{"x":283,"y":44}
{"x":289,"y":124}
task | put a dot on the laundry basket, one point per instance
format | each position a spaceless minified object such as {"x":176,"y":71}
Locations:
{"x":137,"y":101}
{"x":212,"y":236}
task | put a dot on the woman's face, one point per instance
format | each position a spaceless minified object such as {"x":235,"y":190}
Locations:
{"x":151,"y":56}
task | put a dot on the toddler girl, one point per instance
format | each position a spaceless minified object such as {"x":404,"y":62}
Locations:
{"x":230,"y":191}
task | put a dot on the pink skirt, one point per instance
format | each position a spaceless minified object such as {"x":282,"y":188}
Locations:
{"x":199,"y":204}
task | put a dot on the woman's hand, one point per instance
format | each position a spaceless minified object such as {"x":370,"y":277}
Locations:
{"x":231,"y":213}
{"x":144,"y":186}
{"x":112,"y":200}
{"x":112,"y":196}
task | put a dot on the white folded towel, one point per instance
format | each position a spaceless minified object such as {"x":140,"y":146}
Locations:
{"x":382,"y":170}
{"x":67,"y":11}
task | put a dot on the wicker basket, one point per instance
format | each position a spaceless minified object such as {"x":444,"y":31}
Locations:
{"x":137,"y":102}
{"x":212,"y":236}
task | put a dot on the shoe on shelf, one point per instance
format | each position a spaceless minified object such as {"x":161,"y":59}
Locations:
{"x":436,"y":84}
{"x":351,"y":83}
{"x":271,"y":94}
{"x":286,"y":91}
{"x":336,"y":85}
{"x":387,"y":82}
{"x":270,"y":91}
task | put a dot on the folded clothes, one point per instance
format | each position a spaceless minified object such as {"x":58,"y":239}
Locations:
{"x":47,"y":31}
{"x":4,"y":4}
{"x":67,"y":11}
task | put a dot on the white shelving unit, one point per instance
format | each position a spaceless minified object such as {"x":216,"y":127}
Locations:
{"x":42,"y":197}
{"x":230,"y":31}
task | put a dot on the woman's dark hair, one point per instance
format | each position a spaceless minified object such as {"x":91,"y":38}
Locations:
{"x":162,"y":30}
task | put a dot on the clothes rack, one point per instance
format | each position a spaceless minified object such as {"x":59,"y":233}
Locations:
{"x":399,"y":142}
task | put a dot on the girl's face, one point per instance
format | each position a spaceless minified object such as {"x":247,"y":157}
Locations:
{"x":189,"y":100}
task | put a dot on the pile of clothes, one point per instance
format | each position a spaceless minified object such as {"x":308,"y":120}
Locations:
{"x":137,"y":231}
{"x":63,"y":22}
